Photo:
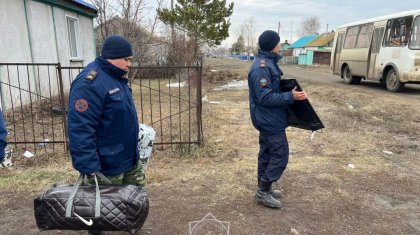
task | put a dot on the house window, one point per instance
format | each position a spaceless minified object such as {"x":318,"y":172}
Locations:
{"x":73,"y":34}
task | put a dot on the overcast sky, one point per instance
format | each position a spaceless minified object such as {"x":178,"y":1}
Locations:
{"x":268,"y":14}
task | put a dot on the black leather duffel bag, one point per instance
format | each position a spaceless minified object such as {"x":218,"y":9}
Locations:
{"x":92,"y":207}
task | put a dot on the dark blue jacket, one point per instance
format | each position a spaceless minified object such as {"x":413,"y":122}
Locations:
{"x":268,"y":106}
{"x":102,"y":121}
{"x":3,"y":134}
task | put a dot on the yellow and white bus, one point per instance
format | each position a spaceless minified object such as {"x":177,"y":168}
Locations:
{"x":386,"y":49}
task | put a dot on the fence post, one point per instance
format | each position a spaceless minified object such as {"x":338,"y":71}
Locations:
{"x":62,"y":105}
{"x":199,"y":100}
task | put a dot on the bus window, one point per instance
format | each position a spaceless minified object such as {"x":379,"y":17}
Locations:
{"x":363,"y":40}
{"x":376,"y":42}
{"x":339,"y":45}
{"x":398,"y":31}
{"x":351,"y":37}
{"x":415,"y":35}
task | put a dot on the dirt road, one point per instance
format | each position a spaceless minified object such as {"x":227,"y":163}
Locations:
{"x":360,"y":176}
{"x":323,"y":75}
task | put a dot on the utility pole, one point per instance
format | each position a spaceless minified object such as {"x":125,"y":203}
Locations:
{"x":327,"y":28}
{"x":278,"y":29}
{"x":291,"y":31}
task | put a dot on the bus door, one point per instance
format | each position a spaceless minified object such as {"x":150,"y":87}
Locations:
{"x":378,"y":34}
{"x":337,"y":52}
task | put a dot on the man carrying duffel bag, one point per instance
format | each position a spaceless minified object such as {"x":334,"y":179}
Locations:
{"x":102,"y":120}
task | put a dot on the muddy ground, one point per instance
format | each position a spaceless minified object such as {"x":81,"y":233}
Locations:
{"x":361,"y":175}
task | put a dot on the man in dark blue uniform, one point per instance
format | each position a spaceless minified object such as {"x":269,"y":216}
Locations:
{"x":3,"y":143}
{"x":102,"y":121}
{"x":268,"y":107}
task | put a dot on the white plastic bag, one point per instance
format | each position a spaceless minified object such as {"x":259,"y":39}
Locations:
{"x":145,"y":143}
{"x":7,"y":161}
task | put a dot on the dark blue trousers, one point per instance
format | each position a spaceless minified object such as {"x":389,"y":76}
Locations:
{"x":273,"y":156}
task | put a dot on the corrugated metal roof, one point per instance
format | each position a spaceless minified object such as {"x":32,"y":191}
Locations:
{"x":303,"y":41}
{"x":321,"y":40}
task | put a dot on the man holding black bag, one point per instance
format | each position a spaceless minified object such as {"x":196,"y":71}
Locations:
{"x":268,"y":108}
{"x":103,"y":125}
{"x":102,"y":120}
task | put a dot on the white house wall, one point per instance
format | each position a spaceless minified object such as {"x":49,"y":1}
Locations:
{"x":87,"y":38}
{"x":87,"y":42}
{"x":41,"y":29}
{"x":14,"y":41}
{"x":297,"y":51}
{"x":40,"y":36}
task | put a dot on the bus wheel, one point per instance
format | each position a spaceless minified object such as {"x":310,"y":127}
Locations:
{"x":393,"y":82}
{"x":349,"y":78}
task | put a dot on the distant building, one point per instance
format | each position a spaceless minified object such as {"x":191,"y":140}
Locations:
{"x":299,"y":46}
{"x":284,"y":46}
{"x":323,"y":42}
{"x":319,"y":50}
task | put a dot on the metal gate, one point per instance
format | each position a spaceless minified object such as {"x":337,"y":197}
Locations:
{"x":34,"y":99}
{"x":169,"y":100}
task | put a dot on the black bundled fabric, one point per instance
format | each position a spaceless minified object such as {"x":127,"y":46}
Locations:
{"x":301,"y":114}
{"x":92,"y":207}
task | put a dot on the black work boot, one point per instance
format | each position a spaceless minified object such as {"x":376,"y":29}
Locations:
{"x":264,"y":196}
{"x":275,"y":193}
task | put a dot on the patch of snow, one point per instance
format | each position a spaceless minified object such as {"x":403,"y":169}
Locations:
{"x":205,"y":99}
{"x":388,"y":152}
{"x":234,"y":85}
{"x":28,"y":154}
{"x":352,"y":166}
{"x":177,"y":84}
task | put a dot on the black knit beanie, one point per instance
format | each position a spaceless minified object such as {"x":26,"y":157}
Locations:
{"x":268,"y":40}
{"x":116,"y":47}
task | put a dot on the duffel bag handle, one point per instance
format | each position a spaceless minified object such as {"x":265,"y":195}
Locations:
{"x":79,"y":181}
{"x":103,"y":177}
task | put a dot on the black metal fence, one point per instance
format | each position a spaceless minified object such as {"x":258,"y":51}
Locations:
{"x":34,"y":99}
{"x":169,"y":100}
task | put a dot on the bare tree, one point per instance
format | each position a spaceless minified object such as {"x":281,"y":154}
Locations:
{"x":220,"y":51}
{"x":248,"y":31}
{"x":127,"y":18}
{"x":181,"y":47}
{"x":130,"y":11}
{"x":105,"y":13}
{"x":309,"y":26}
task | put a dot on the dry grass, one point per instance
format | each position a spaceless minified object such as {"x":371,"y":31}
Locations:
{"x":318,"y":182}
{"x":34,"y":175}
{"x":355,"y":134}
